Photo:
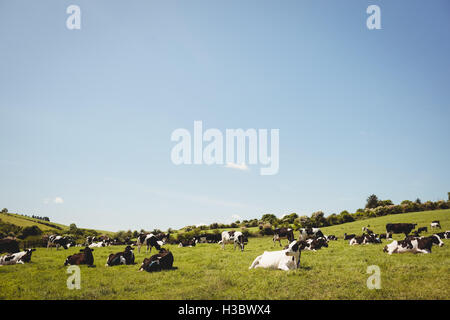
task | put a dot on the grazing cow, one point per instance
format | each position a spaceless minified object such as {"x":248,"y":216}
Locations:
{"x":349,"y":236}
{"x":315,"y":244}
{"x":162,"y":237}
{"x":208,"y":238}
{"x":187,"y":243}
{"x":414,"y":245}
{"x":283,"y":233}
{"x":287,"y":259}
{"x":148,"y":240}
{"x":331,"y":237}
{"x":400,"y":228}
{"x":235,"y":237}
{"x":126,"y":257}
{"x":161,"y":261}
{"x":435,"y":224}
{"x":422,"y":229}
{"x":84,"y":257}
{"x":306,"y":233}
{"x":59,"y":241}
{"x":9,"y":245}
{"x":18,"y":257}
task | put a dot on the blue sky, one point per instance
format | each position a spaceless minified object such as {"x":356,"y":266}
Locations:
{"x":86,"y":115}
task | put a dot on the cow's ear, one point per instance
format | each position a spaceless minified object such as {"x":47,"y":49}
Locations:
{"x":92,"y":249}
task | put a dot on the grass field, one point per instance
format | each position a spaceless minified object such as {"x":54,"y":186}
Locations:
{"x":207,"y":272}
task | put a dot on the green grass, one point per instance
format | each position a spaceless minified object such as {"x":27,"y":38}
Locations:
{"x":207,"y":272}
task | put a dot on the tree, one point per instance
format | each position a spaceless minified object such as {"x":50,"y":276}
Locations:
{"x":4,"y":210}
{"x":73,"y":228}
{"x":448,"y":193}
{"x":271,"y":218}
{"x":372,"y":201}
{"x":418,"y":201}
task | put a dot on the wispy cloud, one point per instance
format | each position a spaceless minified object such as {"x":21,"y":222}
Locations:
{"x":233,"y":165}
{"x":236,"y":217}
{"x":57,"y":200}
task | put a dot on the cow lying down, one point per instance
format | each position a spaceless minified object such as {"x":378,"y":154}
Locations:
{"x":84,"y":257}
{"x":161,"y":261}
{"x":414,"y":245}
{"x":287,"y":259}
{"x":126,"y":257}
{"x":15,"y":258}
{"x":315,"y":244}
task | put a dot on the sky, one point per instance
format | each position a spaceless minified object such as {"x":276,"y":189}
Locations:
{"x":87,"y":115}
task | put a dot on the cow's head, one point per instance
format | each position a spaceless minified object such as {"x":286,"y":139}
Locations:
{"x":295,"y":247}
{"x":27,"y":256}
{"x":435,"y":239}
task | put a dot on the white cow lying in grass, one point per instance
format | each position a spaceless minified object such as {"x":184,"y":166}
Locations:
{"x":286,"y":259}
{"x":15,"y":258}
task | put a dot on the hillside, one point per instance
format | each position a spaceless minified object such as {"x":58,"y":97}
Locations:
{"x":45,"y":226}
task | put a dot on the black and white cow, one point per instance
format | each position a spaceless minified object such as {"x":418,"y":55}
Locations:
{"x":414,"y":245}
{"x":287,"y":259}
{"x":331,"y":237}
{"x":235,"y":237}
{"x":444,"y":235}
{"x":422,"y":229}
{"x":16,"y":258}
{"x":59,"y":241}
{"x":366,"y":229}
{"x":315,"y":244}
{"x":283,"y":233}
{"x":405,"y":228}
{"x":148,"y":240}
{"x":435,"y":224}
{"x":364,"y":239}
{"x":306,"y":233}
{"x":208,"y":238}
{"x":187,"y":243}
{"x":125,"y":257}
{"x":349,"y":236}
{"x":158,"y":262}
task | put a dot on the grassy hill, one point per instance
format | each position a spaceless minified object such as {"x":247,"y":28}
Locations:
{"x":45,"y":226}
{"x":208,"y":272}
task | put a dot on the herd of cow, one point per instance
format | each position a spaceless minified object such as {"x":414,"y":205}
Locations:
{"x":289,"y":258}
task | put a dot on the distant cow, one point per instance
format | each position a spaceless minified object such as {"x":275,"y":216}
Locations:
{"x":417,"y":245}
{"x":18,"y":257}
{"x":235,"y":237}
{"x":187,"y":243}
{"x":366,"y":229}
{"x":435,"y":224}
{"x":98,"y":244}
{"x":59,"y":241}
{"x":315,"y":244}
{"x":161,"y":261}
{"x":331,"y":237}
{"x":208,"y":238}
{"x":148,"y":240}
{"x":422,"y":229}
{"x":9,"y":245}
{"x":444,"y":235}
{"x":287,"y":259}
{"x":125,"y":257}
{"x":283,"y":233}
{"x":349,"y":236}
{"x":364,"y":239}
{"x":84,"y":257}
{"x":400,"y":228}
{"x":306,"y":233}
